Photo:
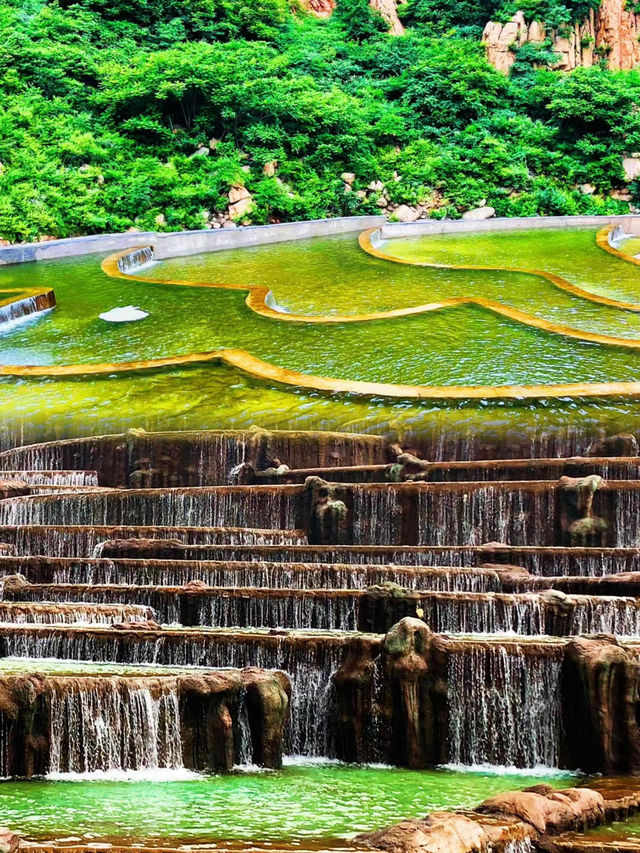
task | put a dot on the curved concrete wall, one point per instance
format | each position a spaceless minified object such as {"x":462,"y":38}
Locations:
{"x":176,"y":244}
{"x":630,"y":222}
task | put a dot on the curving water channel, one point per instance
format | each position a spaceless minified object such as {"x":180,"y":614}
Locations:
{"x":332,"y":276}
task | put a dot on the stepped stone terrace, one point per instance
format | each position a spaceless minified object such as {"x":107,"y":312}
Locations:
{"x":227,"y":599}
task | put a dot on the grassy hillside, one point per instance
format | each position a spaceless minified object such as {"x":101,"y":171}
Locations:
{"x":106,"y":102}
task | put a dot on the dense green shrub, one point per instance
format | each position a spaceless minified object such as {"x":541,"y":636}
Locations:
{"x":104,"y":105}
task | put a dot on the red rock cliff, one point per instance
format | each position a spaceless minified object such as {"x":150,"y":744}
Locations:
{"x":612,"y":32}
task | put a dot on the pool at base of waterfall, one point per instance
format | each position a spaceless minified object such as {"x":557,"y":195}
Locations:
{"x":307,"y":804}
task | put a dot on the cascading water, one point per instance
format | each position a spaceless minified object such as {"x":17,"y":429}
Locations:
{"x":626,"y":530}
{"x":531,"y":614}
{"x":21,"y":310}
{"x":250,"y":609}
{"x":198,"y":507}
{"x":271,"y":575}
{"x":309,"y":664}
{"x":84,"y":541}
{"x":113,"y":726}
{"x":135,"y":259}
{"x":504,"y":706}
{"x":377,"y":516}
{"x":518,"y":516}
{"x":73,"y":613}
{"x":52,"y":478}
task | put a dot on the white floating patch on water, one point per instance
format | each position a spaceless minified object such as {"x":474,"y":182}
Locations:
{"x":124,"y":315}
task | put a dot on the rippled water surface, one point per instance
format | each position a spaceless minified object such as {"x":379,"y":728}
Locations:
{"x":465,"y":345}
{"x":297,"y":804}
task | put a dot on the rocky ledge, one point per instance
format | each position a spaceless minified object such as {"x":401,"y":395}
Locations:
{"x":535,"y":817}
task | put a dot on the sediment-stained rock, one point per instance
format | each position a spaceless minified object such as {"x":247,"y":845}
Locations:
{"x":388,"y":702}
{"x":578,"y":521}
{"x":621,"y":444}
{"x":327,"y":516}
{"x":385,"y":604}
{"x":600,"y":706}
{"x":267,"y":697}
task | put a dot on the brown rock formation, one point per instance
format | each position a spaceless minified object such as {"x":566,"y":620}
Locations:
{"x":327,"y":516}
{"x":13,"y":488}
{"x":621,"y":444}
{"x":387,"y":8}
{"x":600,"y":707}
{"x":320,"y":8}
{"x":547,"y":810}
{"x":385,"y":604}
{"x":447,"y":832}
{"x":612,"y":32}
{"x":389,"y":11}
{"x":158,"y":549}
{"x":580,"y":525}
{"x":389,"y":703}
{"x":209,"y":705}
{"x":355,"y":700}
{"x":267,"y":696}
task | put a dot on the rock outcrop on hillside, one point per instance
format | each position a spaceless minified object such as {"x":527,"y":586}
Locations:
{"x":387,"y":8}
{"x":611,"y":33}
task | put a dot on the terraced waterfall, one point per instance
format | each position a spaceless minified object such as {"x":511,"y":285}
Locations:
{"x":188,"y":603}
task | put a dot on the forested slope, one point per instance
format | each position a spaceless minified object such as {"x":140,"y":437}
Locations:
{"x":171,"y":114}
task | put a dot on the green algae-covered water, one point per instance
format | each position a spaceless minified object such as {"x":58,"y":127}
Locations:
{"x":301,"y":803}
{"x":465,"y":345}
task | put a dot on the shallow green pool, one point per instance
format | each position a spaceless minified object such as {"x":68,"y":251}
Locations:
{"x":465,"y":345}
{"x":300,"y":803}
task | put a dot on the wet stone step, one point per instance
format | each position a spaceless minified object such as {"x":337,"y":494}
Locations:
{"x":87,"y":541}
{"x":377,"y":609}
{"x":74,"y":612}
{"x":168,"y":572}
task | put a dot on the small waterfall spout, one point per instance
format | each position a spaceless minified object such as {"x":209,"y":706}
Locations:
{"x":135,"y":259}
{"x":114,"y":726}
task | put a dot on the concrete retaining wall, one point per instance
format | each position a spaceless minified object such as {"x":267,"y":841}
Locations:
{"x":176,"y":244}
{"x":180,"y":243}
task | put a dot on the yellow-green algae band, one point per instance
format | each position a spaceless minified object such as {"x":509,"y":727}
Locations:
{"x":257,"y":300}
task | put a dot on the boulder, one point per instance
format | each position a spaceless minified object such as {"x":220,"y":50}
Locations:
{"x":600,"y":687}
{"x":549,"y":811}
{"x":404,"y":213}
{"x":240,"y":202}
{"x":631,"y":167}
{"x":485,"y":212}
{"x":9,"y":841}
{"x":348,"y":177}
{"x":385,"y":604}
{"x":620,"y":444}
{"x":269,"y":169}
{"x":447,"y":832}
